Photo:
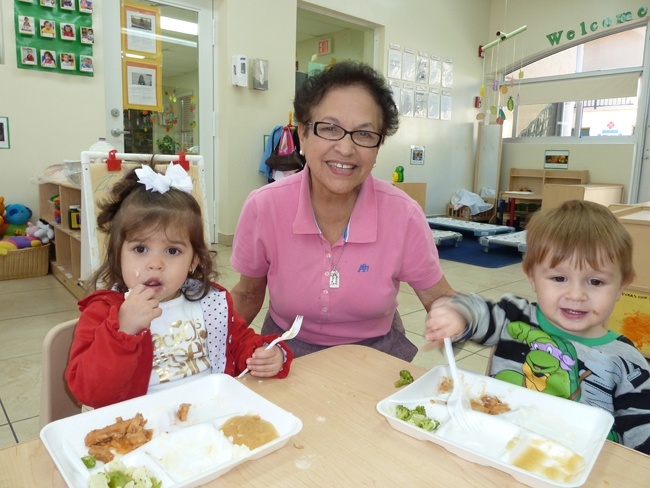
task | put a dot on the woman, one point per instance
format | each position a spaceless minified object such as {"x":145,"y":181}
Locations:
{"x":332,"y":242}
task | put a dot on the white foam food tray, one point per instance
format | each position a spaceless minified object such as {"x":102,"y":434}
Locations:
{"x":181,"y":454}
{"x":540,"y":432}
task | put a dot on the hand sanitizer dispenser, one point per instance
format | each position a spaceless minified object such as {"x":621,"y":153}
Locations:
{"x":240,"y":70}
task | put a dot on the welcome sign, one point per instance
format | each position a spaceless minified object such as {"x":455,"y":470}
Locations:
{"x":588,"y":28}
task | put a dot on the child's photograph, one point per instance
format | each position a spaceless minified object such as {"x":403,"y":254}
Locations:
{"x":48,"y":3}
{"x":86,"y":6}
{"x":68,"y":32}
{"x":67,"y":61}
{"x":87,"y":35}
{"x":67,"y":4}
{"x":86,"y":64}
{"x":48,"y":58}
{"x":26,"y":25}
{"x":28,"y":55}
{"x":47,"y":28}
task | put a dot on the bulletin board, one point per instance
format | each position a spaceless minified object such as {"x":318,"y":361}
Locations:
{"x":96,"y":184}
{"x":55,"y":36}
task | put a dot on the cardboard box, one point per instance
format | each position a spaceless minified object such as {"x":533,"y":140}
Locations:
{"x":631,"y":317}
{"x":417,"y":191}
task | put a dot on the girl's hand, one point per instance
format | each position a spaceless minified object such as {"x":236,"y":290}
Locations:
{"x":443,"y":320}
{"x":265,"y":363}
{"x":138,"y":310}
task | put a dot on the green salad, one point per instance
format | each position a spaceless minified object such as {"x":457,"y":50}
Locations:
{"x":117,"y":475}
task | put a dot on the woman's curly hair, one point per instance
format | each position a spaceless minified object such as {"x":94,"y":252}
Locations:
{"x":347,"y":73}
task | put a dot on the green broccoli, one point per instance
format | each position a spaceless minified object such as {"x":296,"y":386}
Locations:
{"x":402,"y":412}
{"x":405,"y":378}
{"x":89,"y":461}
{"x":417,"y":417}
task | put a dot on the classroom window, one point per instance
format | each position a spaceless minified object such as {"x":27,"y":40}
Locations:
{"x":588,"y":90}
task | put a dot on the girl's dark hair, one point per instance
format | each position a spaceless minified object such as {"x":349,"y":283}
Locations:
{"x":132,"y":210}
{"x":347,"y":73}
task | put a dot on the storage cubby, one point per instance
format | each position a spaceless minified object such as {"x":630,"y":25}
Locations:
{"x":66,"y":264}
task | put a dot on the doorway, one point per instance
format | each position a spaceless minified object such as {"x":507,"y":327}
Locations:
{"x":159,"y":82}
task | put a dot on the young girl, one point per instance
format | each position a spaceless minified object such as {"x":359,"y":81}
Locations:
{"x":160,"y":320}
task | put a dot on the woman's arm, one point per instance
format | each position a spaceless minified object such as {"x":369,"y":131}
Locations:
{"x":248,"y":296}
{"x":430,"y":295}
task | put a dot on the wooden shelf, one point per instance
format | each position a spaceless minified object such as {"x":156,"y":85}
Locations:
{"x":66,"y":266}
{"x":533,"y":180}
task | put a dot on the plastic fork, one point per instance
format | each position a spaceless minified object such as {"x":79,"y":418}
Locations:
{"x":457,"y":404}
{"x":288,"y":334}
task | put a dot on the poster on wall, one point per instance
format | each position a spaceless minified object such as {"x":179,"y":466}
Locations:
{"x":142,"y":79}
{"x":50,"y":35}
{"x":142,"y":86}
{"x":556,"y":159}
{"x":394,"y":62}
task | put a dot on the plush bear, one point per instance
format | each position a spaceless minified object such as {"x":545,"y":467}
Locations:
{"x":17,"y":215}
{"x":42,"y":231}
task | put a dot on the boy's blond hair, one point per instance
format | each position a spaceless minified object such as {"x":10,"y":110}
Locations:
{"x":586,"y":232}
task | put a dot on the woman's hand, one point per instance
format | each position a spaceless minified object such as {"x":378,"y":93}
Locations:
{"x":265,"y":363}
{"x":140,"y":307}
{"x":443,"y":320}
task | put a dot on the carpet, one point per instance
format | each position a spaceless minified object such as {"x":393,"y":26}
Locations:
{"x":469,"y":251}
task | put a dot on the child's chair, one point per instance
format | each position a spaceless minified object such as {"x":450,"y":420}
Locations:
{"x":56,"y":400}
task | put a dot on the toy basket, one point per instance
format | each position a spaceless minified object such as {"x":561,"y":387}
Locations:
{"x":463,"y":213}
{"x":24,"y":263}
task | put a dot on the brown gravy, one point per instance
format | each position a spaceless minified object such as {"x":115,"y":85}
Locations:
{"x":249,"y":430}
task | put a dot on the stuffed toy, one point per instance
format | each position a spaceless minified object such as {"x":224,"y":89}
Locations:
{"x":3,"y":225}
{"x":42,"y":231}
{"x":17,"y":215}
{"x":18,"y":242}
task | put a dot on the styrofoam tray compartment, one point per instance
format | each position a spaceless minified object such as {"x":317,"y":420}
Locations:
{"x":543,"y":430}
{"x":181,"y":454}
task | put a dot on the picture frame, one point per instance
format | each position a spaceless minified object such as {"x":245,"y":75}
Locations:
{"x":48,"y":58}
{"x":417,"y":154}
{"x":86,"y":64}
{"x":67,"y":61}
{"x":556,"y":159}
{"x":87,"y":35}
{"x":86,"y":6}
{"x":28,"y":55}
{"x":67,"y":4}
{"x":4,"y":133}
{"x":26,"y":25}
{"x":47,"y":28}
{"x":67,"y":31}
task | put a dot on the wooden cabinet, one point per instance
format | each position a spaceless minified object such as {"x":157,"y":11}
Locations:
{"x":66,"y":265}
{"x":533,"y":180}
{"x":553,"y":195}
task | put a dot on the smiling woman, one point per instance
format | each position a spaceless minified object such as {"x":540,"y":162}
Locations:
{"x":322,"y":238}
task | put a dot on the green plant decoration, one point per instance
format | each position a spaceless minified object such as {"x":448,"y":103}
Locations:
{"x":167,"y":145}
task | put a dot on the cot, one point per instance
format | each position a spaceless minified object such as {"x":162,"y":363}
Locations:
{"x":514,"y":239}
{"x":446,"y":235}
{"x":477,"y":228}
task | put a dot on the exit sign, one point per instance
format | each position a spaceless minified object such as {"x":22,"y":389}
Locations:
{"x":324,"y":46}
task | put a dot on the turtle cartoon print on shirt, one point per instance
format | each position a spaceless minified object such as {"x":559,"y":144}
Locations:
{"x":550,"y":366}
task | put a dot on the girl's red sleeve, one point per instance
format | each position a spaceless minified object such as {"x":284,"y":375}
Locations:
{"x":107,"y":366}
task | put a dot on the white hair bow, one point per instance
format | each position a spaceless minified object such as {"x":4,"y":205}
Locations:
{"x":175,"y":177}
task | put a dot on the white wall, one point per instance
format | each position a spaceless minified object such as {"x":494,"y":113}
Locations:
{"x":52,"y":116}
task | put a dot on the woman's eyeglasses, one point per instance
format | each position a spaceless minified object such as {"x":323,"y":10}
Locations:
{"x":333,"y":132}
